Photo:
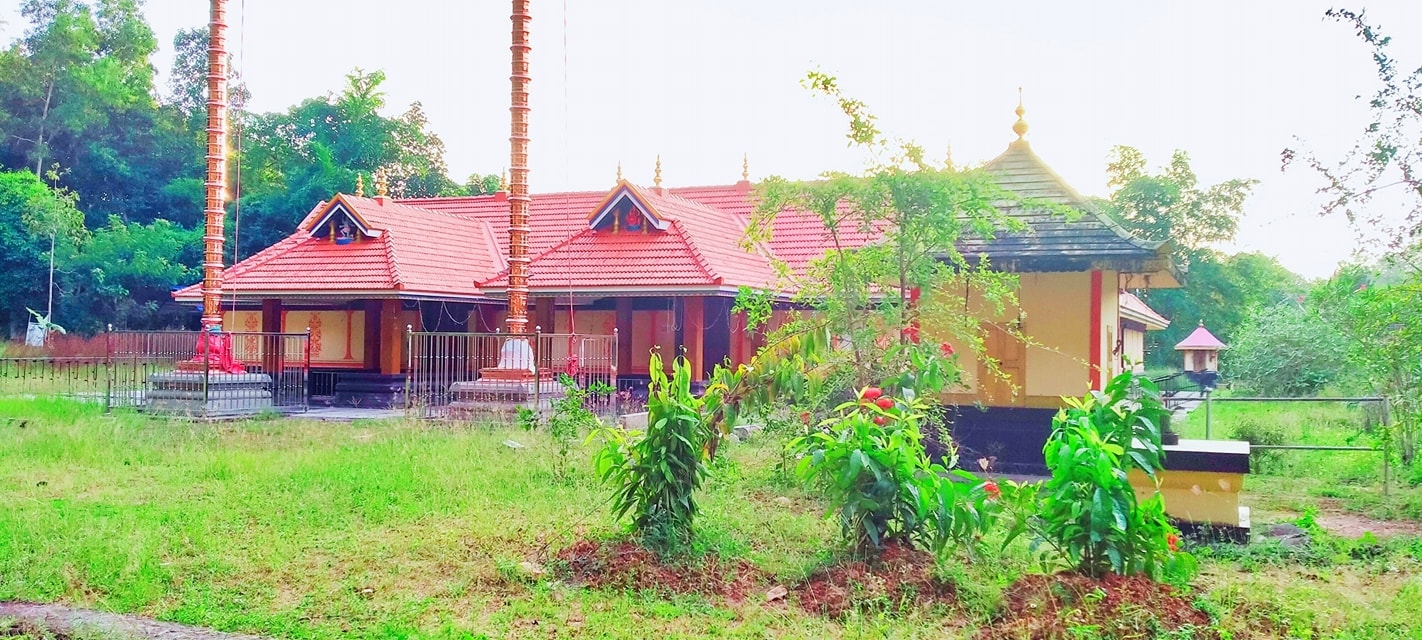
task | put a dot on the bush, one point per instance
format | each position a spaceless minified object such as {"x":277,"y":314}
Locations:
{"x":1088,"y":512}
{"x":655,"y":473}
{"x":1285,"y":350}
{"x":870,"y":462}
{"x":1257,"y":433}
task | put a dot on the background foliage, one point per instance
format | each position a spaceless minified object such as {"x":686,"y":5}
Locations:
{"x":77,"y":97}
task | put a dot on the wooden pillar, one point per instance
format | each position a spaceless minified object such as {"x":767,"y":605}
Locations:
{"x":543,"y":314}
{"x":624,"y":336}
{"x":372,"y":334}
{"x":693,"y":328}
{"x":392,"y":338}
{"x":272,"y":347}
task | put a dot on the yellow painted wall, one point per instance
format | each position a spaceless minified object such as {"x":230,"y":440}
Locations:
{"x":1057,"y":314}
{"x":1055,"y":309}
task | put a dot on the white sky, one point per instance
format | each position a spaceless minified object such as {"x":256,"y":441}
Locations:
{"x":703,"y":81}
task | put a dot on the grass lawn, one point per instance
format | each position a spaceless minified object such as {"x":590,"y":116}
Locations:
{"x":1295,"y":481}
{"x":401,"y":530}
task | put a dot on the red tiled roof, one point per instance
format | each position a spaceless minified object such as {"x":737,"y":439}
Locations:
{"x":701,"y":249}
{"x":1133,"y":308}
{"x":415,"y":252}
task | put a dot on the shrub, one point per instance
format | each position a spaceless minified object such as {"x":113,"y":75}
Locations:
{"x":1257,"y":433}
{"x":655,"y":473}
{"x":870,"y":462}
{"x":1285,"y":350}
{"x":571,"y":416}
{"x":1088,"y":512}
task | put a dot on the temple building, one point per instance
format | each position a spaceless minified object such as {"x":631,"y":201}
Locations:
{"x":663,"y":265}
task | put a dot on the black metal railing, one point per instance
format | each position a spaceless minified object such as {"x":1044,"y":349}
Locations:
{"x":459,"y":374}
{"x":156,"y":371}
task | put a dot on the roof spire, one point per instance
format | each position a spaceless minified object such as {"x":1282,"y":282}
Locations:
{"x":360,"y":185}
{"x":619,"y":171}
{"x":745,"y":167}
{"x":382,"y":188}
{"x":504,"y":180}
{"x":657,"y":179}
{"x":1020,"y":127}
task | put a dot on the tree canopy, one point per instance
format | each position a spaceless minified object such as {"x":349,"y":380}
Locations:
{"x":78,"y":101}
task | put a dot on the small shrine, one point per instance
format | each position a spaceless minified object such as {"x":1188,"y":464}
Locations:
{"x":1201,"y":356}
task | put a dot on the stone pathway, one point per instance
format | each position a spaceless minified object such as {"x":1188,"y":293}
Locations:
{"x":67,"y":621}
{"x":347,"y":414}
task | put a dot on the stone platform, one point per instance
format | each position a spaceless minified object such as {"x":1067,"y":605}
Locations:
{"x":208,"y":395}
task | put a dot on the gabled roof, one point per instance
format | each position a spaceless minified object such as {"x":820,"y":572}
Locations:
{"x":1051,"y":240}
{"x":1201,"y":340}
{"x":415,"y":253}
{"x":1133,"y":308}
{"x":698,"y":250}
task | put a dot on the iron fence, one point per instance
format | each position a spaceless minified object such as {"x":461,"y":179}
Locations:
{"x":145,"y":370}
{"x":457,"y":375}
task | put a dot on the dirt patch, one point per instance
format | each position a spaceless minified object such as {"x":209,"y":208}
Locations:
{"x":63,"y":622}
{"x":625,"y":565}
{"x":1060,"y":606}
{"x":1352,"y":525}
{"x":898,"y":578}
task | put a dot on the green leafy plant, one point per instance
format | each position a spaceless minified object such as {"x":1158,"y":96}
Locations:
{"x":1088,"y":511}
{"x":570,"y":418}
{"x":656,"y":473}
{"x":870,"y":462}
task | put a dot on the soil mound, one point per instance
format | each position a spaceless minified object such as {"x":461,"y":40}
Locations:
{"x":1062,"y":605}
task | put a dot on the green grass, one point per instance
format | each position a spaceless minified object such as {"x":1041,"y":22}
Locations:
{"x":1292,"y":481}
{"x":401,"y":530}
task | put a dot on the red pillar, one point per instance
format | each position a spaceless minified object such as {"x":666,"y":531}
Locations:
{"x":1094,"y":341}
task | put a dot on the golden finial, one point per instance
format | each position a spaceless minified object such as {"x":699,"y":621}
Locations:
{"x":657,"y":179}
{"x":619,"y":171}
{"x":1020,"y":127}
{"x":360,"y":185}
{"x":382,"y":188}
{"x":745,"y":167}
{"x":504,"y":180}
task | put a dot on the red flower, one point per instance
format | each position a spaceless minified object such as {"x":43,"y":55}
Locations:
{"x":881,"y":420}
{"x":885,"y":402}
{"x":946,"y":348}
{"x":1172,"y":541}
{"x":805,"y":417}
{"x":992,"y":490}
{"x":871,"y":393}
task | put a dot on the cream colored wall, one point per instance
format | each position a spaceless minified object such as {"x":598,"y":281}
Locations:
{"x":1133,"y":349}
{"x":1056,"y":316}
{"x":1057,"y":313}
{"x":337,"y":336}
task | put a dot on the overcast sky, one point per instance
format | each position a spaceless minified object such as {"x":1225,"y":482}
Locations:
{"x":703,"y":82}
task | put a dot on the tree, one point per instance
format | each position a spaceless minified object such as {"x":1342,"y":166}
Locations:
{"x":1286,"y":349}
{"x":1388,"y":156}
{"x":1170,"y":206}
{"x":1219,"y":290}
{"x":22,"y":254}
{"x":865,"y":294}
{"x":125,"y":274}
{"x":1384,"y":342}
{"x":53,"y":215}
{"x":295,"y":159}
